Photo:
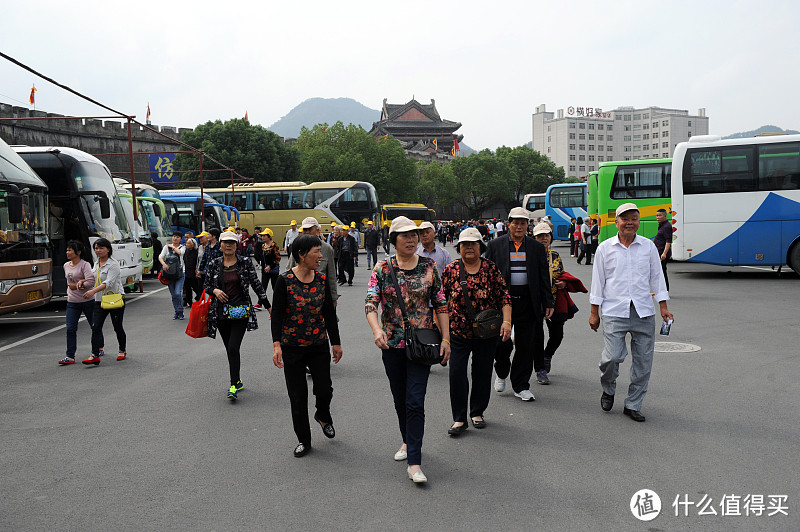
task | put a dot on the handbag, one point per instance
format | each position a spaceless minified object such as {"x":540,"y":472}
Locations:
{"x":112,"y":301}
{"x":488,"y":322}
{"x":198,"y":317}
{"x":423,"y":346}
{"x":235,"y":312}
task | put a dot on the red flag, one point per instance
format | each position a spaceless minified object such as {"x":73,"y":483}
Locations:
{"x":453,"y":151}
{"x":435,"y":145}
{"x":455,"y":145}
{"x":245,"y":117}
{"x":148,"y":112}
{"x":32,"y":99}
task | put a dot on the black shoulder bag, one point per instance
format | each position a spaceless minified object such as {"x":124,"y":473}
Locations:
{"x":488,"y":322}
{"x":422,"y":345}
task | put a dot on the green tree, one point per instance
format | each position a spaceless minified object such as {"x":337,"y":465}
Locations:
{"x":252,"y":151}
{"x":530,"y":171}
{"x":436,"y":185}
{"x":349,"y":153}
{"x":482,"y":179}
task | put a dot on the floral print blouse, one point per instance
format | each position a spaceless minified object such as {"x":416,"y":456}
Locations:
{"x":487,"y":290}
{"x":556,"y":269}
{"x":303,"y":314}
{"x":420,"y":288}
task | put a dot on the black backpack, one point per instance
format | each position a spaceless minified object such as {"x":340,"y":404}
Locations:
{"x":172,"y":270}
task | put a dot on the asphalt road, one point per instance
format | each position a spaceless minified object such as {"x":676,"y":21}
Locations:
{"x":152,"y":443}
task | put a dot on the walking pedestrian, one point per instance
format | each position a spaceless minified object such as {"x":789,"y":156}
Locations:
{"x":385,"y":237}
{"x":303,"y":324}
{"x":347,"y":250}
{"x":291,"y":234}
{"x":427,"y":247}
{"x":270,"y":259}
{"x":663,"y":241}
{"x":80,"y":278}
{"x":588,"y":239}
{"x":171,"y":260}
{"x":473,"y":285}
{"x":372,"y":239}
{"x":210,"y":252}
{"x":191,"y":284}
{"x":357,"y":236}
{"x":523,"y":263}
{"x":327,"y":266}
{"x":627,"y":270}
{"x":576,"y":235}
{"x":421,"y":290}
{"x":571,"y":233}
{"x":107,"y":280}
{"x":229,"y":278}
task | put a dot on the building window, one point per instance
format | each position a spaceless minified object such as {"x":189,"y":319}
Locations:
{"x":548,"y":149}
{"x":591,"y":147}
{"x":665,"y":122}
{"x":689,"y":124}
{"x":646,"y":136}
{"x":591,"y":125}
{"x":665,"y":144}
{"x":572,"y":146}
{"x":600,"y":126}
{"x":581,"y":125}
{"x":637,"y":137}
{"x":591,"y":157}
{"x":655,"y":134}
{"x":600,"y":158}
{"x":548,"y":129}
{"x":664,"y":134}
{"x":627,"y":158}
{"x":572,"y":136}
{"x":655,"y":125}
{"x":609,"y":137}
{"x":637,"y":147}
{"x":572,"y":168}
{"x":549,"y":139}
{"x":626,"y":128}
{"x":609,"y":148}
{"x":645,"y":126}
{"x":646,"y":116}
{"x":581,"y":157}
{"x":572,"y":125}
{"x":591,"y":137}
{"x":599,"y":137}
{"x":637,"y":127}
{"x":571,"y":156}
{"x":582,"y":147}
{"x":665,"y":155}
{"x":591,"y":168}
{"x":645,"y":147}
{"x":637,"y":117}
{"x":689,"y":135}
{"x":626,"y":138}
{"x":608,"y":127}
{"x":581,"y":168}
{"x":627,"y":117}
{"x":627,"y":148}
{"x":582,"y":136}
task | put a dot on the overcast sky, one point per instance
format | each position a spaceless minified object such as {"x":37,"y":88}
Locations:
{"x":487,"y":65}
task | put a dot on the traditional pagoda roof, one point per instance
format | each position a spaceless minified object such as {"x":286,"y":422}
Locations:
{"x":413,"y":117}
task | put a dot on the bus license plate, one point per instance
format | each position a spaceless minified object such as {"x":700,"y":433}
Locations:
{"x":34,"y":295}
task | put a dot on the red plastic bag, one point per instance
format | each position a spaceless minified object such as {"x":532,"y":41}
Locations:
{"x":198,"y":317}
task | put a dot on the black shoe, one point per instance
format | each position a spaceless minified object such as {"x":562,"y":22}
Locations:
{"x":480,"y":424}
{"x":350,"y":284}
{"x":456,"y":431}
{"x":327,"y":429}
{"x":606,"y":401}
{"x":588,"y":263}
{"x":633,"y":414}
{"x":301,"y":450}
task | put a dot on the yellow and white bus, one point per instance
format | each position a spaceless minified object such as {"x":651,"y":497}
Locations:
{"x":417,"y":212}
{"x":276,"y":204}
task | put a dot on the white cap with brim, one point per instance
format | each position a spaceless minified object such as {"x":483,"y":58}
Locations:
{"x":401,"y":224}
{"x":309,"y":222}
{"x":228,"y":235}
{"x":519,"y":212}
{"x":542,"y":228}
{"x":470,"y":234}
{"x":426,"y":225}
{"x":625,"y":207}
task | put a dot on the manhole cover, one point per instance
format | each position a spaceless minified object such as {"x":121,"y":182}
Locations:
{"x":675,"y":347}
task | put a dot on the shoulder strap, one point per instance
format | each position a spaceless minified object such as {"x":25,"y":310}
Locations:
{"x":398,"y":293}
{"x":463,"y":282}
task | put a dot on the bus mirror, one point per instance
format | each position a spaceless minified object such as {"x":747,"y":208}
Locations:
{"x":14,"y":208}
{"x":105,"y":207}
{"x":157,"y":210}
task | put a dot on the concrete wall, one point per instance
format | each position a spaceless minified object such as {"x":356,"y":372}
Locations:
{"x":91,"y":136}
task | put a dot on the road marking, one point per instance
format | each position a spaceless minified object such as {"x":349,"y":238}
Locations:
{"x":54,"y":329}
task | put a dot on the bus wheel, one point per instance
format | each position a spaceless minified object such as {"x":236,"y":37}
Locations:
{"x":794,"y":258}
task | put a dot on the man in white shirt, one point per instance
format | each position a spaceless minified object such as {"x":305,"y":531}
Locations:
{"x":291,"y":234}
{"x":627,"y":268}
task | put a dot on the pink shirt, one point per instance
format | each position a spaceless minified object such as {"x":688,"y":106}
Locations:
{"x":76,"y":273}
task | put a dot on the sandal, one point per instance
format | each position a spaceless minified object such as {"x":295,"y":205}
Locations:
{"x":66,"y":360}
{"x":94,"y":359}
{"x":122,"y":355}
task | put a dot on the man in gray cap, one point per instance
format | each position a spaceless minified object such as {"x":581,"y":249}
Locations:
{"x":627,"y":268}
{"x":311,"y":226}
{"x":427,"y":247}
{"x":523,"y":263}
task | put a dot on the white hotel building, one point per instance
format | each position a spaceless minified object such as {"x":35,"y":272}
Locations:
{"x":583,"y":137}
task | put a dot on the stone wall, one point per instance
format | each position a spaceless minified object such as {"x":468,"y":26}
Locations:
{"x":91,"y":136}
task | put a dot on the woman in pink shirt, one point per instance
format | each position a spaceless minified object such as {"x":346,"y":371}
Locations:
{"x":80,"y":278}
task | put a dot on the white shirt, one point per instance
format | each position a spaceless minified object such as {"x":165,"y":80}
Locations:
{"x":290,"y":236}
{"x":623,"y":275}
{"x":500,"y":226}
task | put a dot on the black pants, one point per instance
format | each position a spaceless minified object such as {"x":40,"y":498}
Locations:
{"x":482,"y":358}
{"x":232,"y":332}
{"x":99,"y":317}
{"x":191,"y":284}
{"x":346,"y":268}
{"x":528,"y":346}
{"x":555,"y":332}
{"x":318,"y":361}
{"x":664,"y":269}
{"x":586,"y":251}
{"x":267,"y":277}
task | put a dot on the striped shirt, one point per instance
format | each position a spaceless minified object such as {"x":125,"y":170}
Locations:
{"x":517,"y":264}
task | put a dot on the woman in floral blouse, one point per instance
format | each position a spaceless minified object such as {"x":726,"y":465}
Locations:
{"x":303,"y":319}
{"x":228,"y":279}
{"x":487,"y":290}
{"x":421,"y":289}
{"x":555,"y":327}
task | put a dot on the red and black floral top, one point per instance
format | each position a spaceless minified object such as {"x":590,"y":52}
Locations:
{"x":303,"y":314}
{"x":487,"y":290}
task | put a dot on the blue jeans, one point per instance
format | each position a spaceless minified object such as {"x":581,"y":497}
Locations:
{"x":408,"y":382}
{"x":176,"y":291}
{"x":74,"y":311}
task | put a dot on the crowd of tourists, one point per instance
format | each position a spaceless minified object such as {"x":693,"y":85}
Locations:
{"x":483,"y":313}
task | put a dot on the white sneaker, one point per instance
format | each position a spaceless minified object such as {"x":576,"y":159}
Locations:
{"x":401,"y":455}
{"x":499,"y":385}
{"x":418,"y":477}
{"x":525,"y":395}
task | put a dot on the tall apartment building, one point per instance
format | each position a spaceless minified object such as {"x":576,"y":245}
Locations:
{"x":584,"y":137}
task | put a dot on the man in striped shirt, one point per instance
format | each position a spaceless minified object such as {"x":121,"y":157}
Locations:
{"x":523,"y":263}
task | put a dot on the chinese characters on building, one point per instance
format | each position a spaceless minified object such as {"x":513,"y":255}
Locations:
{"x":593,"y":112}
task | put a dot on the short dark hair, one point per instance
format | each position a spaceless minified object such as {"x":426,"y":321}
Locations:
{"x":303,"y":244}
{"x":662,"y":210}
{"x":579,"y":220}
{"x":177,"y":233}
{"x":76,"y":246}
{"x":215,"y":232}
{"x":393,"y":236}
{"x":104,"y":243}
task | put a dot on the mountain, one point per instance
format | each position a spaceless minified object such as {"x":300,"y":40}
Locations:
{"x":325,"y":110}
{"x":762,"y":129}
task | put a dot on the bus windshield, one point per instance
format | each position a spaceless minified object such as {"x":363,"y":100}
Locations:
{"x":91,"y":177}
{"x":30,"y":230}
